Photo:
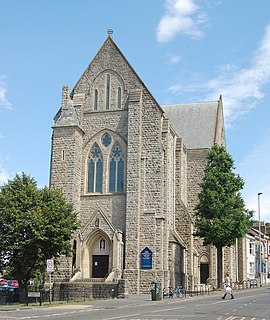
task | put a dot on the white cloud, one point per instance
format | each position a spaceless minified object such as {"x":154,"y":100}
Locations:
{"x":254,"y":169}
{"x":181,"y":17}
{"x":4,"y":176}
{"x":243,"y":89}
{"x":3,"y":99}
{"x":173,"y":58}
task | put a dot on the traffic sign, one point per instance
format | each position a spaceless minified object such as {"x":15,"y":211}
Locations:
{"x":50,"y":265}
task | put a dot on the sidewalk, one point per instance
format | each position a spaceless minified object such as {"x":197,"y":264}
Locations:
{"x":132,"y":299}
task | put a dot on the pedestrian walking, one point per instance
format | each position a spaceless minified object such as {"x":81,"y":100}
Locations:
{"x":228,"y":288}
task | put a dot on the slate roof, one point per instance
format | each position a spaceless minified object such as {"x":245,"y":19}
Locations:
{"x":195,"y":123}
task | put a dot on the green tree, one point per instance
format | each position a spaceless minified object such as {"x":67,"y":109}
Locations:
{"x":221,"y":216}
{"x":35,"y":225}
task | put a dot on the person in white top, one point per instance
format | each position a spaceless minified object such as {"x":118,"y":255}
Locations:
{"x":228,"y":289}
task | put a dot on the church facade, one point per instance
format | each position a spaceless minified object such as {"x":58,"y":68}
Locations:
{"x":132,"y":169}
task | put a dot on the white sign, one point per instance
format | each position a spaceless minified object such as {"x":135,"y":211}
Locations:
{"x":33,"y":295}
{"x":50,"y":265}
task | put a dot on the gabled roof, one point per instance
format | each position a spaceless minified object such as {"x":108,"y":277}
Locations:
{"x":195,"y":123}
{"x":109,"y":51}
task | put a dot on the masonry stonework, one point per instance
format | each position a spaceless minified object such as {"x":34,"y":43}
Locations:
{"x":132,"y":168}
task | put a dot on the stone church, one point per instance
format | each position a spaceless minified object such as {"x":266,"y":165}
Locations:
{"x":132,"y":168}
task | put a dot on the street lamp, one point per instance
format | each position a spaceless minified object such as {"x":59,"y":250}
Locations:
{"x":260,"y":250}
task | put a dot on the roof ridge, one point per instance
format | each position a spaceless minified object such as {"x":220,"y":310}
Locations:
{"x":189,"y":103}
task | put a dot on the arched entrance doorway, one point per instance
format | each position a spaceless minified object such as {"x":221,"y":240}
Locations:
{"x":204,"y":269}
{"x":99,"y":256}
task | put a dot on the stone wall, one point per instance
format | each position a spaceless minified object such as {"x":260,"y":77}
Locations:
{"x":88,"y":291}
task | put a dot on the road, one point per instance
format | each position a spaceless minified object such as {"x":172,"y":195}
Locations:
{"x":251,"y":304}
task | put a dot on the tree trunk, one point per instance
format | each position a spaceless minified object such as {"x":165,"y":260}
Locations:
{"x":23,"y":291}
{"x":219,"y":265}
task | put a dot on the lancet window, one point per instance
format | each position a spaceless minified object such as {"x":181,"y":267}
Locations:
{"x":116,"y":176}
{"x":95,"y":170}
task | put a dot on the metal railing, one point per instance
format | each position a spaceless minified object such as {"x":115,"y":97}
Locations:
{"x":181,"y":292}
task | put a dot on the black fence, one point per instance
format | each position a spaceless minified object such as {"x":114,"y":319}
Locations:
{"x":9,"y":296}
{"x":101,"y":291}
{"x":182,"y":292}
{"x":68,"y":294}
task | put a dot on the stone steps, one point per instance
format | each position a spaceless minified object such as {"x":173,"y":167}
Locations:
{"x":90,"y":280}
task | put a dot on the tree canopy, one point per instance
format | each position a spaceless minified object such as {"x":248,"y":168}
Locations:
{"x":221,"y":216}
{"x":35,"y":225}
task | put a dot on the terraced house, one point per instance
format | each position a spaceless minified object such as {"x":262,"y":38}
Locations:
{"x":132,"y":168}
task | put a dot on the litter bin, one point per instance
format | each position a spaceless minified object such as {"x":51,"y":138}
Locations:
{"x":155,"y":291}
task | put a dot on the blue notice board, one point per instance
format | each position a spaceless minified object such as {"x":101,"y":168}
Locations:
{"x":146,"y":258}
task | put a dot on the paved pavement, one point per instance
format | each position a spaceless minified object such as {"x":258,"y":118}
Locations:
{"x":134,"y":299}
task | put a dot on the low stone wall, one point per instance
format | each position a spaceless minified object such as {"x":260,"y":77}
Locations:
{"x":66,"y":291}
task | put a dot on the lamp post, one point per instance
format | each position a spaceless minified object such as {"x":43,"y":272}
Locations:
{"x":260,"y":250}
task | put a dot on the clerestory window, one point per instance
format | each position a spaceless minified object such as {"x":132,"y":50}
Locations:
{"x":95,"y":170}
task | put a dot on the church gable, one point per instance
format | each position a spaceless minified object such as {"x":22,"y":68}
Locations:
{"x":99,"y":221}
{"x":108,"y":70}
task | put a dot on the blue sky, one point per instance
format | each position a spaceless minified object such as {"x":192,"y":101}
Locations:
{"x":183,"y":50}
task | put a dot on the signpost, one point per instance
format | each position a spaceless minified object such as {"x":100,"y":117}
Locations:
{"x":50,"y":269}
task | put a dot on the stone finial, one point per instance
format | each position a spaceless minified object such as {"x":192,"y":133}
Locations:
{"x":65,"y":95}
{"x":65,"y":92}
{"x":110,"y":32}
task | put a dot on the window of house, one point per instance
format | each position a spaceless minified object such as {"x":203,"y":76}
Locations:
{"x":108,"y":84}
{"x":95,"y":170}
{"x":269,"y":249}
{"x":116,"y":176}
{"x":96,"y":100}
{"x":251,"y":248}
{"x":251,"y":267}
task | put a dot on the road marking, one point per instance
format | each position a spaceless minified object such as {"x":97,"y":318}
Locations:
{"x":121,"y":317}
{"x":169,"y":309}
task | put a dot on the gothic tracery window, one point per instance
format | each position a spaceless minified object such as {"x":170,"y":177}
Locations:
{"x":106,"y":140}
{"x":95,"y":170}
{"x":116,"y":176}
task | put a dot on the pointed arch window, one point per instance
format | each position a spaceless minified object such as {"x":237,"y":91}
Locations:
{"x":95,"y":170}
{"x":119,"y":98}
{"x":116,"y":176}
{"x":96,"y":100}
{"x":108,"y":85}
